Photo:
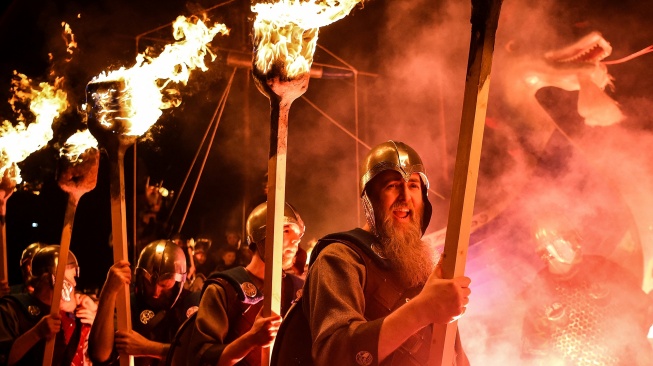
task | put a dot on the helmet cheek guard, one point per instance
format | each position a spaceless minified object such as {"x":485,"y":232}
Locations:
{"x":401,"y":158}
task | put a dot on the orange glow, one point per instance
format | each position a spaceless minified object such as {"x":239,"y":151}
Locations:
{"x":285,"y":32}
{"x":18,"y":141}
{"x":144,"y":83}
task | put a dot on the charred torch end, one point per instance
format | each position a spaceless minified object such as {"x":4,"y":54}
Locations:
{"x":277,"y":86}
{"x":107,"y":117}
{"x":80,"y":176}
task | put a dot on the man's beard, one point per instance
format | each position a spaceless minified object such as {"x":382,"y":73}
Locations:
{"x":403,"y":247}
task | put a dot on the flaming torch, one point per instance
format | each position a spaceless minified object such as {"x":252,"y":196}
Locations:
{"x":124,"y":104}
{"x":77,"y":175}
{"x":285,"y":37}
{"x":18,"y":141}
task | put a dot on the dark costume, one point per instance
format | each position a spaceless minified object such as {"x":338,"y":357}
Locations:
{"x":595,"y":315}
{"x":158,"y":326}
{"x":19,"y":288}
{"x":350,"y":289}
{"x":230,"y":303}
{"x":21,"y":312}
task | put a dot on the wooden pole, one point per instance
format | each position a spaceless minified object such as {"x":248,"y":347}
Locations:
{"x":7,"y":185}
{"x":119,"y":239}
{"x":104,"y":99}
{"x":3,"y":240}
{"x":282,"y":92}
{"x":485,"y":18}
{"x":64,"y":248}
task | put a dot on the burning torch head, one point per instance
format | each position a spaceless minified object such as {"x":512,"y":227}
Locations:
{"x":107,"y":118}
{"x":44,"y":266}
{"x":397,"y":156}
{"x":256,"y":225}
{"x":80,"y":176}
{"x":160,"y":274}
{"x":26,"y":259}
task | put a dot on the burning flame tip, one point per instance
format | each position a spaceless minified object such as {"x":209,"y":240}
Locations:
{"x":77,"y":145}
{"x":19,"y":140}
{"x":148,"y":80}
{"x":285,"y":33}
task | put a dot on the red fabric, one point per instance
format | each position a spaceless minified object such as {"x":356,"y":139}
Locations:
{"x":68,"y":327}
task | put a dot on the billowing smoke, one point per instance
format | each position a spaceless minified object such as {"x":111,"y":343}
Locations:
{"x":540,"y":158}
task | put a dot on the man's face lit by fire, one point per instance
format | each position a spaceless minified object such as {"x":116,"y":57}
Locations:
{"x":292,"y":235}
{"x":200,"y":257}
{"x":397,"y":200}
{"x":232,"y":239}
{"x":159,"y":294}
{"x":229,"y":258}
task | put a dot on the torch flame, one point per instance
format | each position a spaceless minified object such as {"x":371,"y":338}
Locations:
{"x":142,"y":98}
{"x":285,"y":32}
{"x":17,"y":142}
{"x":77,"y":144}
{"x":69,"y":38}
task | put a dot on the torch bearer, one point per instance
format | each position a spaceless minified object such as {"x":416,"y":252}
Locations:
{"x":7,"y":186}
{"x":108,"y":124}
{"x":485,"y":18}
{"x":75,"y":178}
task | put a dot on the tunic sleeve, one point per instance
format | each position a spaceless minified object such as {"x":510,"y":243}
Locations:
{"x":335,"y":309}
{"x":9,"y":329}
{"x":211,"y":327}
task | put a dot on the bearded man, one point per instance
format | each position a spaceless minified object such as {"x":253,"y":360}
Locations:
{"x":373,"y":293}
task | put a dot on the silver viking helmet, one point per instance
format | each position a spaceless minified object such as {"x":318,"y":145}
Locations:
{"x":159,"y":260}
{"x":26,"y":259}
{"x":397,"y":156}
{"x":257,"y":223}
{"x":44,"y":263}
{"x":46,"y":259}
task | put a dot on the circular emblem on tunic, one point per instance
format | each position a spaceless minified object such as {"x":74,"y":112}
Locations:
{"x":364,"y":358}
{"x":191,"y":310}
{"x":34,"y":310}
{"x":249,"y":289}
{"x":146,"y":315}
